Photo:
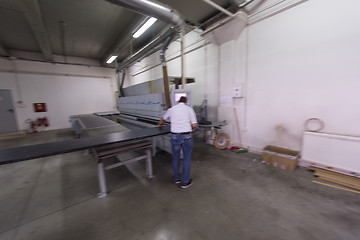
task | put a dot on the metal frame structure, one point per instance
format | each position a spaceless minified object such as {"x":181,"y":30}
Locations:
{"x":88,"y":125}
{"x":112,"y":151}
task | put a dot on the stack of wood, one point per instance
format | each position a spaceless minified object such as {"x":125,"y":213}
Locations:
{"x":337,"y":178}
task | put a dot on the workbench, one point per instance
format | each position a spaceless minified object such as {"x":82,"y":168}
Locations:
{"x":91,"y":125}
{"x":99,"y":138}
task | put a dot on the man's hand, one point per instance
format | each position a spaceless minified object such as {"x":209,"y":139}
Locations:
{"x":161,"y":122}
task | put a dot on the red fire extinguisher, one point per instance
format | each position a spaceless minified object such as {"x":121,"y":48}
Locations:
{"x":39,"y":122}
{"x":34,"y":125}
{"x":45,"y":121}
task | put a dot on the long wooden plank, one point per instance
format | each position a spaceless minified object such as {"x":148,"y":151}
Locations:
{"x":329,"y":185}
{"x":346,"y":184}
{"x":338,"y":178}
{"x":328,"y":170}
{"x":313,"y":168}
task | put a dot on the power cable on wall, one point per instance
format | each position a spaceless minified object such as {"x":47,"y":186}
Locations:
{"x":246,"y":79}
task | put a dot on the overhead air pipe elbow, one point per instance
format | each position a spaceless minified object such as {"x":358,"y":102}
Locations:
{"x":152,"y":9}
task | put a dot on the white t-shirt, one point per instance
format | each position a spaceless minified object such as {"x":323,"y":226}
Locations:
{"x":181,"y":117}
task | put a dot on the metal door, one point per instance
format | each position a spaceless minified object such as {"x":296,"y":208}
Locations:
{"x":7,"y":113}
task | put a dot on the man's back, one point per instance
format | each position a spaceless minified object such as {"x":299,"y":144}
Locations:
{"x":181,"y":117}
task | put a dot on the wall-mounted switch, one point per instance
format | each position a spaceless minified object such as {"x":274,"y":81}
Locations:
{"x":238,"y":90}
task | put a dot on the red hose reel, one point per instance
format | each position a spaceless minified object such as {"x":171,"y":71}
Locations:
{"x":34,"y":125}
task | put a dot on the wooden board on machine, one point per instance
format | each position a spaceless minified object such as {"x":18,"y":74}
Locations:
{"x":335,"y":177}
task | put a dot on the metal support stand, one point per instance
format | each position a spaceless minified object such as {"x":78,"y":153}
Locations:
{"x":149,"y":170}
{"x":153,"y":140}
{"x":102,"y":181}
{"x":111,"y":151}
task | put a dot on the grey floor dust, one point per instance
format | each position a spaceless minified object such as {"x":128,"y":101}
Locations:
{"x":234,"y":196}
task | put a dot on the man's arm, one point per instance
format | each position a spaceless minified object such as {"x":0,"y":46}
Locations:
{"x":166,"y":116}
{"x":193,"y":119}
{"x":161,"y":122}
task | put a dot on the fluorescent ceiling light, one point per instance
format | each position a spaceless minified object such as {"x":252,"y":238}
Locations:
{"x":111,"y":59}
{"x":144,"y":27}
{"x":155,"y":5}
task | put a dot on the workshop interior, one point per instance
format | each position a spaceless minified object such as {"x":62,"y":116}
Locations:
{"x":274,"y":85}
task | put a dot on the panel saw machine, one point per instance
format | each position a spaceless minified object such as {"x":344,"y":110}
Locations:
{"x":141,"y":106}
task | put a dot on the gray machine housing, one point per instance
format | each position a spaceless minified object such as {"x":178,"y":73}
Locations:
{"x":144,"y":104}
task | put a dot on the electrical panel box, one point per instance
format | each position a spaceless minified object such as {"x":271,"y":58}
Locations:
{"x":176,"y":94}
{"x":238,"y":90}
{"x":40,"y":107}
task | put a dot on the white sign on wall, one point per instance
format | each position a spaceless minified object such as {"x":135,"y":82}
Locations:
{"x":238,"y":90}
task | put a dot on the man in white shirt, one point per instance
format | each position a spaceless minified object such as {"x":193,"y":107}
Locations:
{"x":183,"y":120}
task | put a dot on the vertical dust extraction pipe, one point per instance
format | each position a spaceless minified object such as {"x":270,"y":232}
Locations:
{"x":165,"y":75}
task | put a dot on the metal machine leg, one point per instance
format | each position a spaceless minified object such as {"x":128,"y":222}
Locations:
{"x":153,"y":146}
{"x":102,"y":182}
{"x":149,"y":171}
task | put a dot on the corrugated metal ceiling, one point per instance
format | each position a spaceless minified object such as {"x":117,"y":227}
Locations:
{"x":86,"y":28}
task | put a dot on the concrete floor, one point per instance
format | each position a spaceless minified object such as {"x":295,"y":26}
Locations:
{"x":234,"y":196}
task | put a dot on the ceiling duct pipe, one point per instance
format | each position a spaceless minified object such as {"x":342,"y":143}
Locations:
{"x":149,"y":8}
{"x":160,"y":12}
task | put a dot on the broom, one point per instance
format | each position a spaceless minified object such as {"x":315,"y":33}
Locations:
{"x":240,"y":149}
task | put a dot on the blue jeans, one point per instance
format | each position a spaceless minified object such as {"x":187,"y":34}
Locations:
{"x":184,"y":142}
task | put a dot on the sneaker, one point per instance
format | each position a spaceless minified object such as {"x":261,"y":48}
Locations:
{"x":186,"y":185}
{"x":177,"y":181}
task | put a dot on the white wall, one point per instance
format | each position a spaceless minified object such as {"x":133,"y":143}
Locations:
{"x":303,"y":63}
{"x":296,"y":63}
{"x":66,"y":89}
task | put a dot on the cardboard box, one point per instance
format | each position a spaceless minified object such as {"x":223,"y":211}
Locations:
{"x":280,"y":157}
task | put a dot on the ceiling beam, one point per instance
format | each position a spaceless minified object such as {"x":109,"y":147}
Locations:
{"x":3,"y":50}
{"x":32,"y":11}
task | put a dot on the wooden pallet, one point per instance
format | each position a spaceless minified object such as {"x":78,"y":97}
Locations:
{"x":335,"y":177}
